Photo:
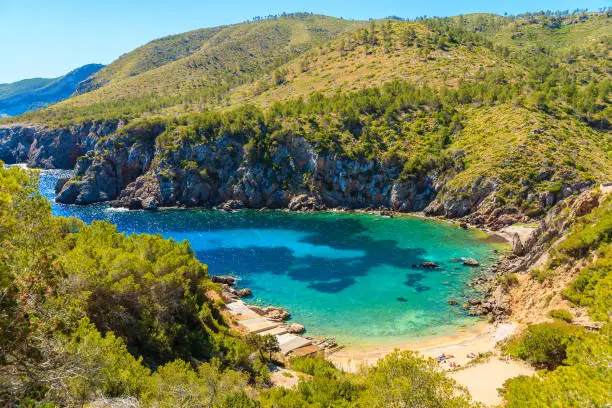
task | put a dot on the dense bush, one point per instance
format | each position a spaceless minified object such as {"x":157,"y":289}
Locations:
{"x":561,"y":314}
{"x":544,"y":345}
{"x":593,"y":288}
{"x":318,"y":367}
{"x":107,"y":307}
{"x":584,"y":382}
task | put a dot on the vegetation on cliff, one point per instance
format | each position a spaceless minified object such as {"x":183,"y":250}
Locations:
{"x":576,"y":362}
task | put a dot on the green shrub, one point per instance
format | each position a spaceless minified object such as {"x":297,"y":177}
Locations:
{"x":593,"y":288}
{"x":509,"y":281}
{"x":585,"y":382}
{"x":561,"y":314}
{"x":544,"y":345}
{"x":317,"y":366}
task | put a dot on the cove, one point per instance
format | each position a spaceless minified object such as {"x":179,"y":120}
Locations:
{"x":342,"y":275}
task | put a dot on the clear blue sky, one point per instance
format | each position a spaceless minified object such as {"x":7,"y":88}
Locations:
{"x":47,"y":38}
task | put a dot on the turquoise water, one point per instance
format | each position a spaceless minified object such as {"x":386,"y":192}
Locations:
{"x":349,"y":276}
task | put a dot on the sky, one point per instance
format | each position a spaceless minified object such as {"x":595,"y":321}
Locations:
{"x":48,"y":38}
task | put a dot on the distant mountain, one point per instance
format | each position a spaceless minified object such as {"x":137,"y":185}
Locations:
{"x":35,"y":93}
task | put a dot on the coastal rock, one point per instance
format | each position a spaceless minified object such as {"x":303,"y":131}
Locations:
{"x":276,"y":313}
{"x":517,"y":245}
{"x":246,"y":292}
{"x":51,"y":147}
{"x":230,"y":205}
{"x":259,"y":310}
{"x":304,"y":202}
{"x":435,"y":208}
{"x":225,"y":279}
{"x":452,"y":302}
{"x":470,"y":262}
{"x":429,"y":265}
{"x":60,"y":184}
{"x":271,"y":312}
{"x":295,"y":328}
{"x":474,"y":301}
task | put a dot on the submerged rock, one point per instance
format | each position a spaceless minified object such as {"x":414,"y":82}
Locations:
{"x":429,"y":265}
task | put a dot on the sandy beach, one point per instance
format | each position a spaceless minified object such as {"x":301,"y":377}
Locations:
{"x":481,"y":379}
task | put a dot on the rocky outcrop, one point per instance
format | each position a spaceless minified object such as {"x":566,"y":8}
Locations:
{"x":224,"y":174}
{"x":295,"y":328}
{"x":131,"y":167}
{"x":246,"y":292}
{"x":230,"y":205}
{"x":103,"y":173}
{"x":224,"y":279}
{"x":49,"y":147}
{"x":529,"y":252}
{"x":470,"y":262}
{"x":271,"y":312}
{"x":304,"y":202}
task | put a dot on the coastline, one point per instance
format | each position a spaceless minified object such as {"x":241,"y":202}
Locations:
{"x":481,"y":338}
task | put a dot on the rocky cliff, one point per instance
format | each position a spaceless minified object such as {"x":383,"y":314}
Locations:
{"x":141,"y":174}
{"x":148,"y":164}
{"x":51,"y":147}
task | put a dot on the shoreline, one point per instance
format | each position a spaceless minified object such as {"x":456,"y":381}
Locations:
{"x":480,"y":338}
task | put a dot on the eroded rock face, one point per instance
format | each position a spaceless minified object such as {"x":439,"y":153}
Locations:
{"x":220,"y":173}
{"x":304,"y":202}
{"x":132,"y":169}
{"x":103,"y":173}
{"x":51,"y":147}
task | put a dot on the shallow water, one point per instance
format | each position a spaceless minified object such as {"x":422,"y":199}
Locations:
{"x":348,"y":276}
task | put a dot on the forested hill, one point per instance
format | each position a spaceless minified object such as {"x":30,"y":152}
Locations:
{"x":30,"y":94}
{"x":559,"y":55}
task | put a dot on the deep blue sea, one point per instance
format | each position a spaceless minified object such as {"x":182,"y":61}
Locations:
{"x":344,"y":275}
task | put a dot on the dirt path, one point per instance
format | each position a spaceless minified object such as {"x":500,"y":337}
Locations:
{"x":483,"y":380}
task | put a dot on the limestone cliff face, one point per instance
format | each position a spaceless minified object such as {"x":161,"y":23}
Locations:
{"x":51,"y":147}
{"x":143,"y":175}
{"x":134,"y":167}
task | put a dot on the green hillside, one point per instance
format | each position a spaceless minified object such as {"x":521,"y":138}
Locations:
{"x":213,"y":62}
{"x":8,"y":90}
{"x":289,"y":57}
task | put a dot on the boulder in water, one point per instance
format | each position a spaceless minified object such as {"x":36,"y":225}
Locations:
{"x":295,"y":328}
{"x":470,"y":262}
{"x":429,"y":265}
{"x":246,"y":292}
